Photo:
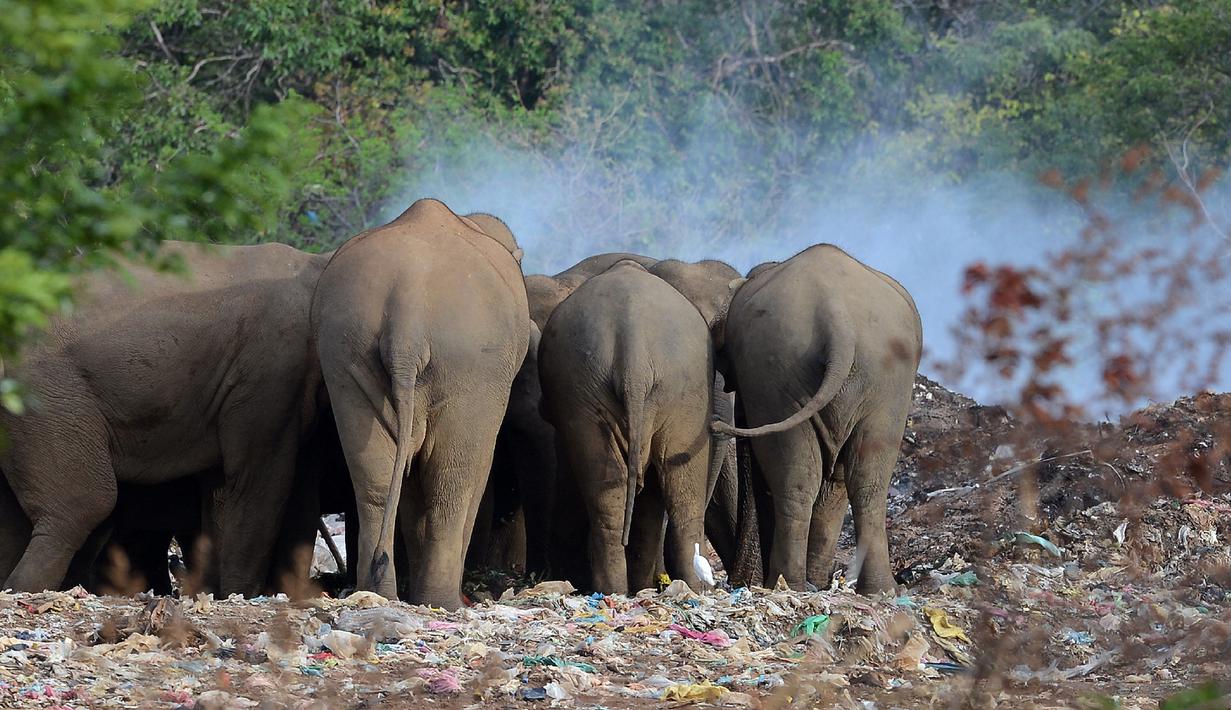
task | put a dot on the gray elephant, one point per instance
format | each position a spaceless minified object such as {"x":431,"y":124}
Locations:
{"x":522,"y":486}
{"x":157,"y":378}
{"x":626,"y":369}
{"x":421,"y":325}
{"x":147,"y":517}
{"x":822,"y":352}
{"x":707,"y":284}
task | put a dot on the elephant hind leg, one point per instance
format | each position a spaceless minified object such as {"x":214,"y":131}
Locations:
{"x":827,"y":515}
{"x":441,"y":499}
{"x":792,"y":466}
{"x":645,"y":540}
{"x":875,"y":445}
{"x":258,"y":480}
{"x":683,"y":462}
{"x":62,"y":516}
{"x":369,"y":449}
{"x":599,"y":471}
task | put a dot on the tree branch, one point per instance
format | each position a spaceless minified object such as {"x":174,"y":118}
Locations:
{"x":1181,"y":167}
{"x":726,"y":66}
{"x":161,"y":44}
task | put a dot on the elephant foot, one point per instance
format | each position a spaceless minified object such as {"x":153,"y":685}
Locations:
{"x":448,"y":602}
{"x":873,"y":584}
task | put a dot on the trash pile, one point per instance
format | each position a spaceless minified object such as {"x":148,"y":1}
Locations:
{"x":1026,"y":582}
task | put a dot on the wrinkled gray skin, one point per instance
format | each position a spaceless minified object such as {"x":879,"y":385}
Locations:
{"x":212,"y":371}
{"x":707,"y":285}
{"x":625,"y":365}
{"x":524,"y":467}
{"x":499,"y":537}
{"x":823,"y":352}
{"x":421,"y":326}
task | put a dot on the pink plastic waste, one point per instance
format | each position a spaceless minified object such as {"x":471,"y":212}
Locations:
{"x":716,"y":638}
{"x":441,"y":681}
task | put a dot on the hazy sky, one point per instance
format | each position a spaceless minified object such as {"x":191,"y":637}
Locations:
{"x":924,"y":236}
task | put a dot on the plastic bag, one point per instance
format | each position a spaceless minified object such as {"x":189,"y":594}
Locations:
{"x":704,"y":692}
{"x":942,"y":626}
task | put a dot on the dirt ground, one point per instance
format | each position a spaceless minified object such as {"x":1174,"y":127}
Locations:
{"x":1077,"y":566}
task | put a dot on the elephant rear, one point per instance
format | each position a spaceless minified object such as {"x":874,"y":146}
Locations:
{"x":422,"y":325}
{"x":824,"y":351}
{"x":625,"y":366}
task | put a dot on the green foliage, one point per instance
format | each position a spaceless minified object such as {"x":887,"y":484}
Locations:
{"x":65,"y":95}
{"x":1208,"y":695}
{"x":638,"y":91}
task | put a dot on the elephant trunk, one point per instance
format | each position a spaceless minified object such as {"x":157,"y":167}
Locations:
{"x":333,"y":546}
{"x":634,"y":408}
{"x":838,"y":363}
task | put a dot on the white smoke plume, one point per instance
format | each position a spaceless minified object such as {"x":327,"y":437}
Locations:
{"x":721,"y":198}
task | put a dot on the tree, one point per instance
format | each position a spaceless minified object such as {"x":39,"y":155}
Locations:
{"x":64,"y":92}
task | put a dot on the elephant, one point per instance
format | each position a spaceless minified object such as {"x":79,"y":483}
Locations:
{"x":160,"y":377}
{"x":707,"y":285}
{"x":524,"y":466}
{"x":591,"y":266}
{"x":626,"y":370}
{"x":421,"y":325}
{"x":494,"y":227}
{"x":547,"y":292}
{"x":822,"y":352}
{"x":147,"y":517}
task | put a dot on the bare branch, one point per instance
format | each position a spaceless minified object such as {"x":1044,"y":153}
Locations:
{"x":1181,"y":162}
{"x":196,"y":68}
{"x":161,"y":44}
{"x":726,"y":67}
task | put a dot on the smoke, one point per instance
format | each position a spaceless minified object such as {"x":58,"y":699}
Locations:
{"x":728,"y":193}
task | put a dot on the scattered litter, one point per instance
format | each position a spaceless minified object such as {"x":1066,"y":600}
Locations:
{"x":695,"y":693}
{"x":1096,"y":618}
{"x":441,"y":682}
{"x":1023,"y":537}
{"x":555,"y":691}
{"x":557,"y":662}
{"x":811,"y":626}
{"x":717,"y":638}
{"x":942,"y":626}
{"x":957,"y":579}
{"x":1080,"y":638}
{"x":1052,"y":674}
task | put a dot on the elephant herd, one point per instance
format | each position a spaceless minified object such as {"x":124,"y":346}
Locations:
{"x":620,"y":412}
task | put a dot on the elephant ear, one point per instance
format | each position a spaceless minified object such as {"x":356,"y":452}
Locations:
{"x":495,"y":228}
{"x":718,"y":327}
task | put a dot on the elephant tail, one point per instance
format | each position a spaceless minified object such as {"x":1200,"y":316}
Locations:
{"x":634,"y":408}
{"x":838,"y":363}
{"x":403,"y":392}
